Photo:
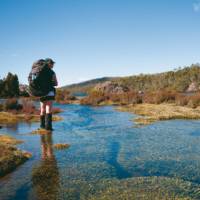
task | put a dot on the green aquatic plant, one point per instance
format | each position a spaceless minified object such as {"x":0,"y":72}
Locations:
{"x":140,"y":188}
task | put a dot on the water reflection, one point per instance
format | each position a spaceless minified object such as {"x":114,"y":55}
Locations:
{"x":45,"y":175}
{"x":12,"y":127}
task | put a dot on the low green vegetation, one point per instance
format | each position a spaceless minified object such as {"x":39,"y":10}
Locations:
{"x":10,"y":156}
{"x":177,"y":80}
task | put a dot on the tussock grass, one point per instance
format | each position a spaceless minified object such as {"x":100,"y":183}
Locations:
{"x":61,"y":146}
{"x":10,"y":156}
{"x":156,"y":112}
{"x":11,"y":118}
{"x":40,"y":131}
{"x":8,"y":140}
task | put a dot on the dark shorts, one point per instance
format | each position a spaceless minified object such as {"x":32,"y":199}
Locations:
{"x":47,"y":98}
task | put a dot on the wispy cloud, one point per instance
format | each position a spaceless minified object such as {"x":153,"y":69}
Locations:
{"x":196,"y":6}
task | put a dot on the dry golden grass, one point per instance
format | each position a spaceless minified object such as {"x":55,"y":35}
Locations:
{"x":109,"y":103}
{"x":8,"y":140}
{"x":40,"y":131}
{"x":61,"y":146}
{"x":6,"y":117}
{"x":10,"y":156}
{"x":10,"y":118}
{"x":56,"y":118}
{"x":157,"y":112}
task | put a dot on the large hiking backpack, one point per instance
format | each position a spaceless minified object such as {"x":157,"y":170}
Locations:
{"x":36,"y":79}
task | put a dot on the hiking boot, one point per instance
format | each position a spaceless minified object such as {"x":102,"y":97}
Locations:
{"x":48,"y":125}
{"x":42,"y":121}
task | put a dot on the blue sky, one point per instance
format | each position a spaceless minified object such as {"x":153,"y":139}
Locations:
{"x":96,"y":38}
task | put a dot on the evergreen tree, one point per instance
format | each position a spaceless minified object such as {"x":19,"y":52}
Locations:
{"x":9,"y":86}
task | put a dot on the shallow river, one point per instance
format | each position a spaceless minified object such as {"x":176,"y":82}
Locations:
{"x":104,"y":146}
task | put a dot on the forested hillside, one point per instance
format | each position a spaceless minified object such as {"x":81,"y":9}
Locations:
{"x":178,"y":80}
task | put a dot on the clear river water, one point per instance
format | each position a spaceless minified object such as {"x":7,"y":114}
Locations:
{"x":104,"y":147}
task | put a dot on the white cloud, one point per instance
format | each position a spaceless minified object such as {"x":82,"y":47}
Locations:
{"x":196,"y":6}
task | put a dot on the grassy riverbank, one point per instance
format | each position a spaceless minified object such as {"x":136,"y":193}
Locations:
{"x":156,"y":112}
{"x":11,"y":118}
{"x":10,"y":156}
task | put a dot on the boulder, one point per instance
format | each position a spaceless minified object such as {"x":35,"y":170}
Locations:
{"x":193,"y":87}
{"x":111,"y":87}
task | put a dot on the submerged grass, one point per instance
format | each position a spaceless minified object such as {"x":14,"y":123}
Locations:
{"x":140,"y":188}
{"x":156,"y":112}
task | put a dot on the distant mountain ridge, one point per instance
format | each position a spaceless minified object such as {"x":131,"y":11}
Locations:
{"x":85,"y":86}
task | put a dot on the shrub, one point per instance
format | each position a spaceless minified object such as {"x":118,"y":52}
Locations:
{"x":12,"y":104}
{"x":1,"y":107}
{"x":28,"y":107}
{"x":181,"y":100}
{"x":132,"y":98}
{"x":160,"y":97}
{"x":64,"y":96}
{"x":124,"y":98}
{"x":95,"y":98}
{"x":194,"y":101}
{"x":114,"y":97}
{"x":59,"y":95}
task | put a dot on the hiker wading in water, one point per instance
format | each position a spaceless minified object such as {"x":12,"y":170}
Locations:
{"x":46,"y":101}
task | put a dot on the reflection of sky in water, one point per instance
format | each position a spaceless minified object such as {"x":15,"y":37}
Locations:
{"x":104,"y":144}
